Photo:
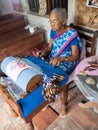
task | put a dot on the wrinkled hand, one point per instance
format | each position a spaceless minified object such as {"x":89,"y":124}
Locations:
{"x":40,"y":53}
{"x":55,"y":61}
{"x":43,"y":53}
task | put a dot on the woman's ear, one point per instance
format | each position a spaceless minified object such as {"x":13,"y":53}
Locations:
{"x":64,"y":21}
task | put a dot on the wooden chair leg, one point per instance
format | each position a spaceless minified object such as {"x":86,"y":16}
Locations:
{"x":63,"y":98}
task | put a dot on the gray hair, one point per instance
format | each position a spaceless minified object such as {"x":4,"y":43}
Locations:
{"x":61,"y":12}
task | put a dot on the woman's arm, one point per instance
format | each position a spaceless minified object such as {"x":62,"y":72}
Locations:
{"x":73,"y":57}
{"x":50,"y":44}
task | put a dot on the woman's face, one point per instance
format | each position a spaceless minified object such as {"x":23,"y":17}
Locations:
{"x":55,"y":22}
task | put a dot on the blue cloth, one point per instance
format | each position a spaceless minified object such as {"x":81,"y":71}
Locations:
{"x":58,"y":43}
{"x":31,"y":102}
{"x":48,"y":69}
{"x":52,"y":34}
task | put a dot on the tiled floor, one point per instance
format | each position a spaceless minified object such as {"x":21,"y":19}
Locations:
{"x":76,"y":119}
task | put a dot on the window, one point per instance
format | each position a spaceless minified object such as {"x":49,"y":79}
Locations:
{"x":33,"y":5}
{"x":51,"y":4}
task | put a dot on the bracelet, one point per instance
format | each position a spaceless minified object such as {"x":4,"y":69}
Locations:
{"x":66,"y":58}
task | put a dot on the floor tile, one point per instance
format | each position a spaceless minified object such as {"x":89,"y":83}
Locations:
{"x":77,"y":94}
{"x":85,"y":118}
{"x":64,"y":124}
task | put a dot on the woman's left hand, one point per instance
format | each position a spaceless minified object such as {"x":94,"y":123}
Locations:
{"x":55,"y":61}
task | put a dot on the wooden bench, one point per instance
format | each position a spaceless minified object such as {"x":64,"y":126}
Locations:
{"x":24,"y":43}
{"x":6,"y":17}
{"x":14,"y":39}
{"x":12,"y":34}
{"x":10,"y":19}
{"x":13,"y":24}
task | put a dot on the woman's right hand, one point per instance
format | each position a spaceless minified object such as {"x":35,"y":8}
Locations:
{"x":43,"y":53}
{"x":38,"y":53}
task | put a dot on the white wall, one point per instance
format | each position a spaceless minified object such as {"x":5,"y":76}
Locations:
{"x":41,"y":22}
{"x":71,"y":11}
{"x":6,"y":6}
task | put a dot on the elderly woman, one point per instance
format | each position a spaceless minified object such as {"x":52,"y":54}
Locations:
{"x":65,"y":45}
{"x":63,"y":50}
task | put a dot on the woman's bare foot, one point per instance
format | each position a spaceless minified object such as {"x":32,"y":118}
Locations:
{"x":96,"y":108}
{"x":63,"y":111}
{"x":88,"y":104}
